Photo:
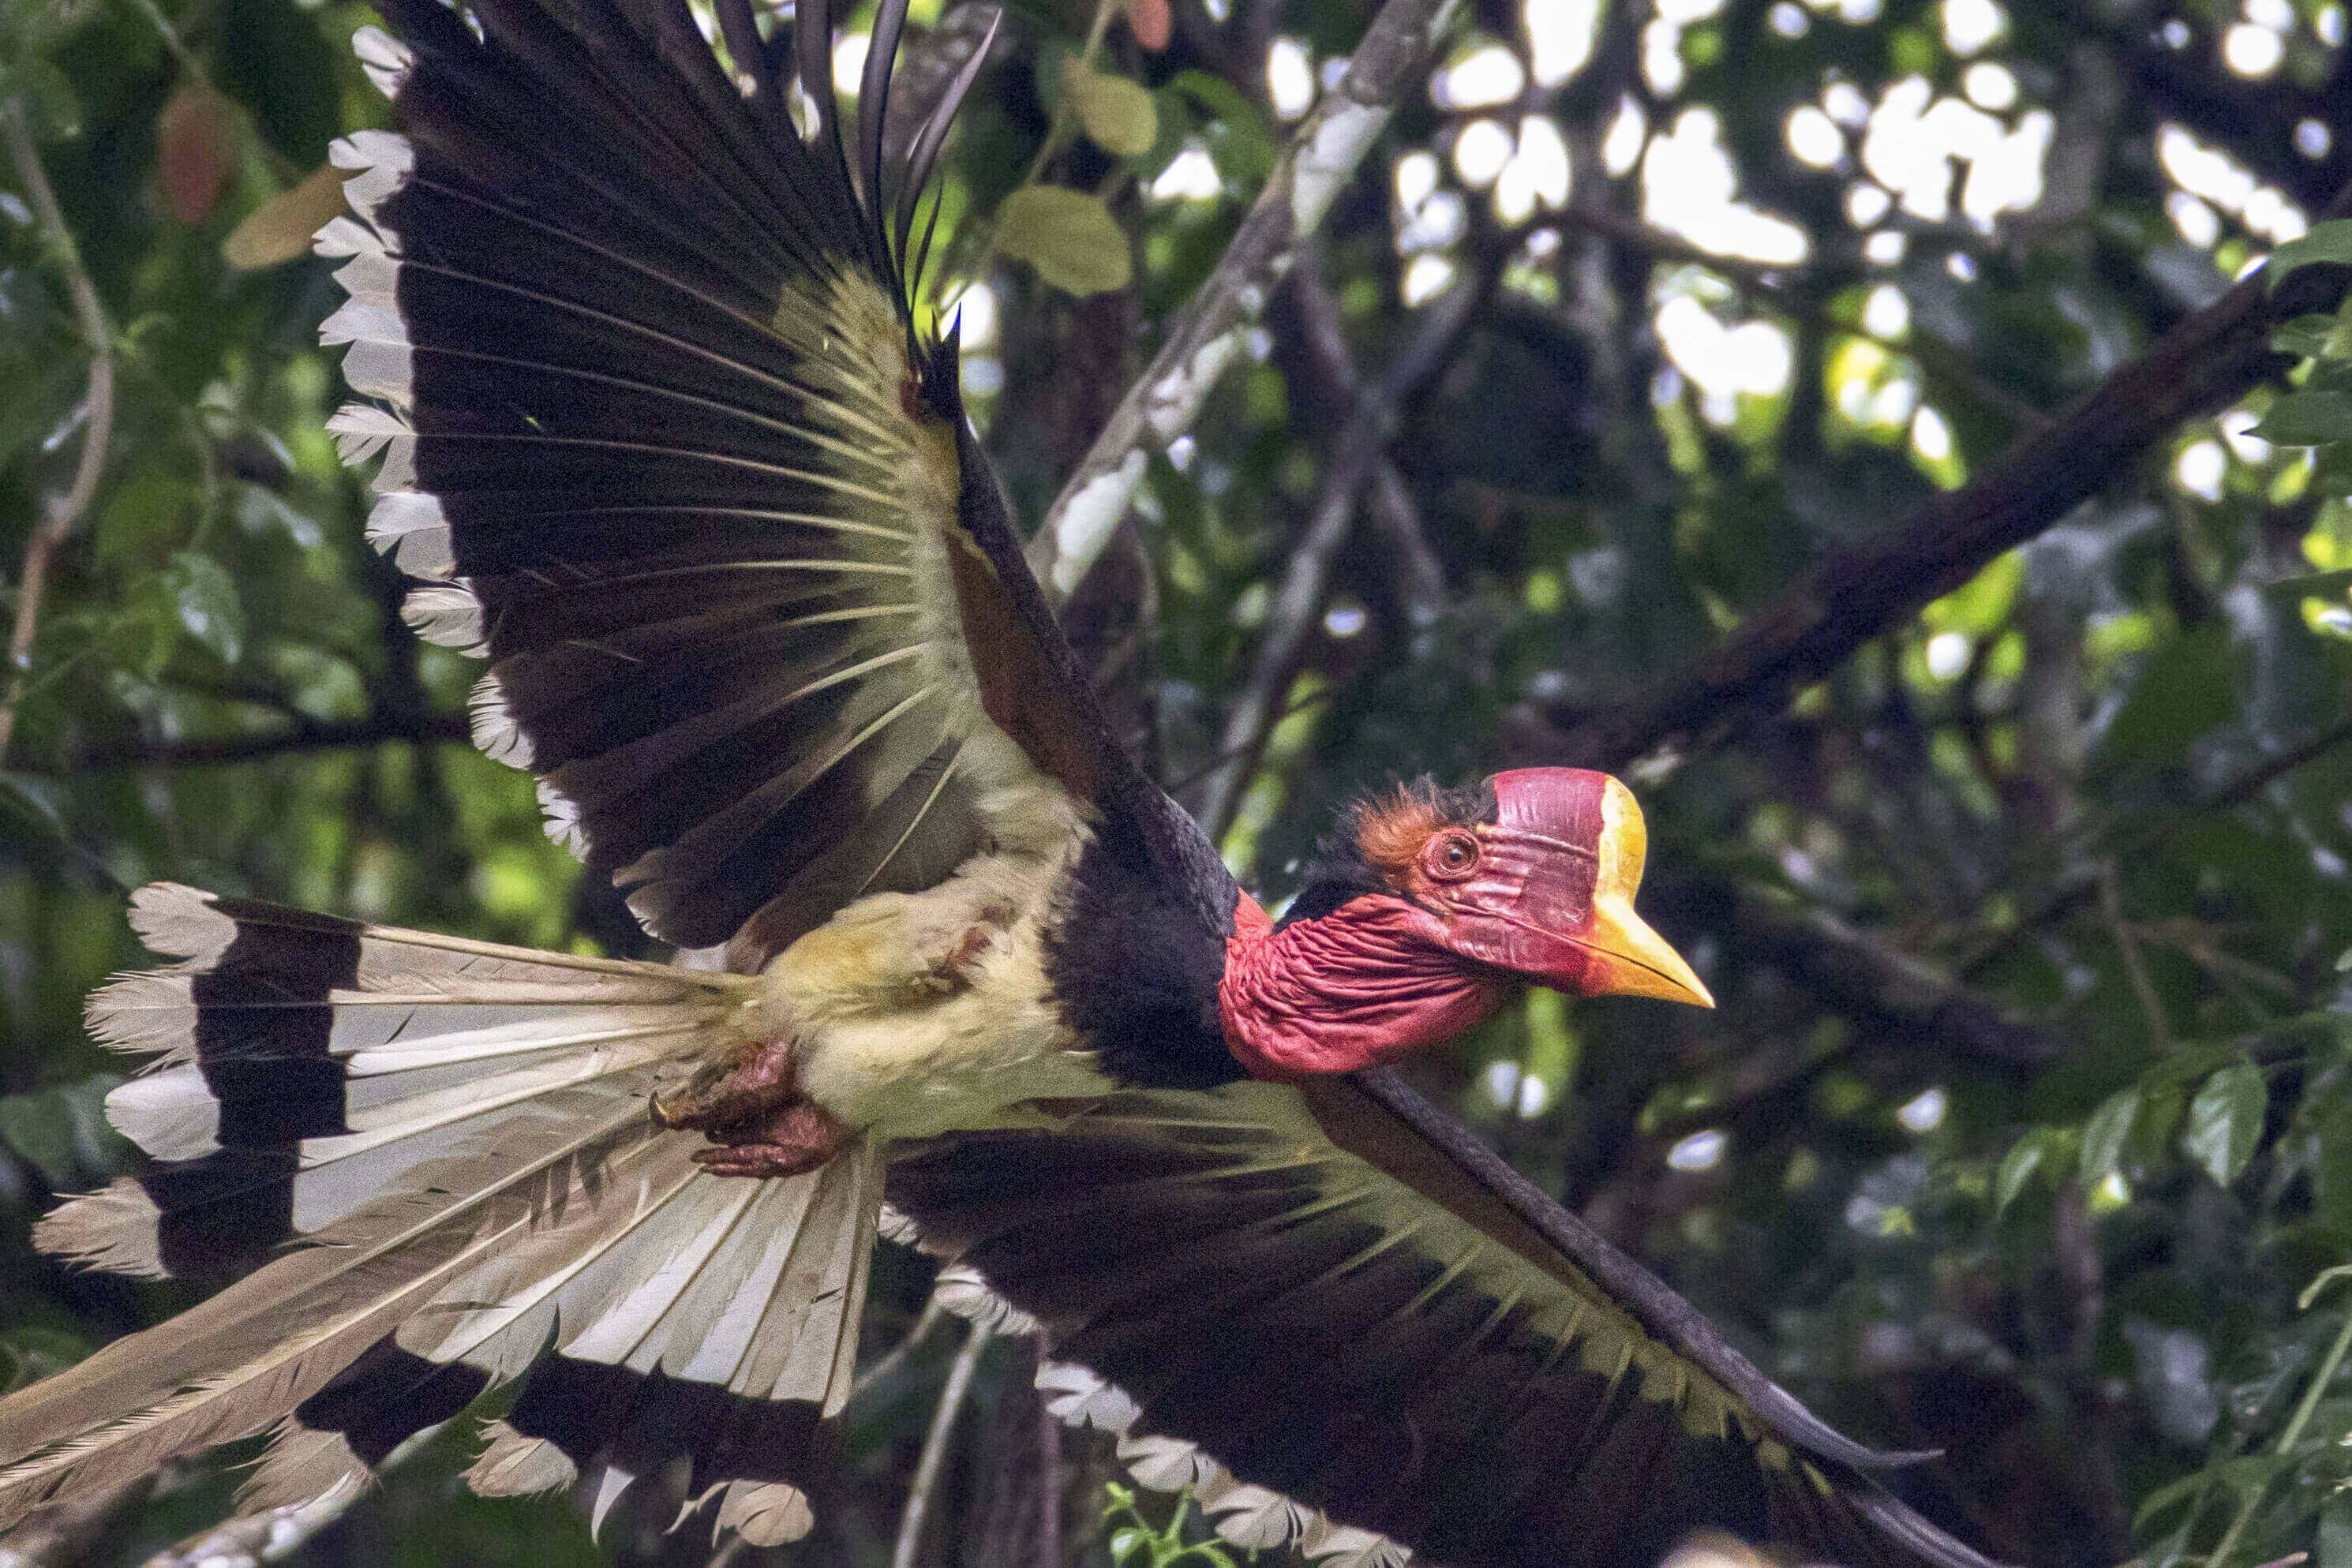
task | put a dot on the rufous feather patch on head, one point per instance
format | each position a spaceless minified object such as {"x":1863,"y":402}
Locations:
{"x":1384,"y":832}
{"x":1391,"y":828}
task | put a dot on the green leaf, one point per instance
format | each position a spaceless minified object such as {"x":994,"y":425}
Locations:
{"x":204,"y":596}
{"x":29,"y":1355}
{"x":1068,"y":236}
{"x":2305,"y":337}
{"x":2017,"y":1168}
{"x":1238,"y":141}
{"x":2326,"y":584}
{"x":2187,"y":687}
{"x":48,"y":96}
{"x":2307,"y":419}
{"x":2106,"y":1135}
{"x":279,"y":230}
{"x":148,"y":511}
{"x":2162,"y":1099}
{"x":2225,"y":1122}
{"x":1117,"y":114}
{"x":63,"y":1131}
{"x":2329,"y":242}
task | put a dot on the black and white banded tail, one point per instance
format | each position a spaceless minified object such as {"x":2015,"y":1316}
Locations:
{"x":430,"y":1162}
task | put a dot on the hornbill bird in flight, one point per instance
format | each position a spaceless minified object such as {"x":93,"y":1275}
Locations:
{"x":664,"y":439}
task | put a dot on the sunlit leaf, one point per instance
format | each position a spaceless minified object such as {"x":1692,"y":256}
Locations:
{"x":2016,"y":1167}
{"x":193,"y":150}
{"x":2328,"y":242}
{"x":2307,"y":419}
{"x":205,"y":596}
{"x":2225,"y":1122}
{"x":1068,"y":236}
{"x":1117,"y":113}
{"x":2107,"y":1135}
{"x":279,"y":230}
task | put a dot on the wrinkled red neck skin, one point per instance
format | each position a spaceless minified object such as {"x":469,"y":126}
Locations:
{"x":1352,"y":989}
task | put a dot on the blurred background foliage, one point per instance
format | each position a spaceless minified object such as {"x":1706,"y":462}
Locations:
{"x":2025,"y":1127}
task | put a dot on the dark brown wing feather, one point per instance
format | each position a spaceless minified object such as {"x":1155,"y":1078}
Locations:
{"x":664,"y":438}
{"x":1332,"y":1313}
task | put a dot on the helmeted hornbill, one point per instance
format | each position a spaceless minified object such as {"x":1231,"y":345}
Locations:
{"x":666,"y":443}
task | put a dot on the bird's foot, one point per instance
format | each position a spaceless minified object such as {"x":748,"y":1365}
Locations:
{"x":786,"y":1141}
{"x":735,"y":1091}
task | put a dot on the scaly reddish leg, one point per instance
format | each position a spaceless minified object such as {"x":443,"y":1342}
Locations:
{"x":785,"y":1142}
{"x":724,"y":1094}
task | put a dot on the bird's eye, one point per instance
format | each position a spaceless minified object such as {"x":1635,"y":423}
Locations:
{"x":1452,"y":855}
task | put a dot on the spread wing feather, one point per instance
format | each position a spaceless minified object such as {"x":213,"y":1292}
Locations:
{"x":659,"y":432}
{"x":1340,"y":1342}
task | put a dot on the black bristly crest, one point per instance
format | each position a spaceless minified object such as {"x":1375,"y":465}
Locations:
{"x":1342,"y":870}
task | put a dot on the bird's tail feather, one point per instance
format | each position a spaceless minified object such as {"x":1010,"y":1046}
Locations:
{"x":454,"y":1135}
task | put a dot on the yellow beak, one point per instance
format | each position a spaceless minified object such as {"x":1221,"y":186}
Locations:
{"x":1635,"y":961}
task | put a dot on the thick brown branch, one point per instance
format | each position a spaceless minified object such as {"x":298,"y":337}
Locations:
{"x":1855,"y":594}
{"x":58,"y":519}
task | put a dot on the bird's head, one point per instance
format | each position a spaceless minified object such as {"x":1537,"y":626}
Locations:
{"x":1428,"y":905}
{"x":1532,"y":873}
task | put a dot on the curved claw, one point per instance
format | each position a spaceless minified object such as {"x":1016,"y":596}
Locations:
{"x":723,"y":1094}
{"x":799,"y":1137}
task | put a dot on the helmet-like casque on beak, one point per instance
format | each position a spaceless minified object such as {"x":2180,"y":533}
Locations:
{"x":1548,"y":894}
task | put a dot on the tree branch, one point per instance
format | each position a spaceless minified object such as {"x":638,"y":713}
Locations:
{"x":64,"y":1533}
{"x":1355,"y":449}
{"x":1312,"y":349}
{"x":58,"y":520}
{"x":325,"y":734}
{"x":1854,"y":594}
{"x":935,"y":1448}
{"x":1860,"y":975}
{"x":1204,"y":336}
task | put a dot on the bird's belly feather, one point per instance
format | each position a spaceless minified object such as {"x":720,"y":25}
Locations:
{"x":924,"y":1013}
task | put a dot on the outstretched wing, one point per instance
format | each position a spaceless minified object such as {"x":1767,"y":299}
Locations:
{"x":1295,"y":1302}
{"x":664,"y":438}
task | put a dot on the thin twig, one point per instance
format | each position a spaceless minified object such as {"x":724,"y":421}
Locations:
{"x":2111,"y":913}
{"x":257,"y":1540}
{"x":1298,"y":600}
{"x":1202,"y":339}
{"x":2292,"y":1434}
{"x":325,"y":734}
{"x":1940,"y":361}
{"x":933,"y":1313}
{"x":1318,"y":355}
{"x":935,"y":1448}
{"x":58,"y":520}
{"x":1049,"y":1484}
{"x":2235,"y":790}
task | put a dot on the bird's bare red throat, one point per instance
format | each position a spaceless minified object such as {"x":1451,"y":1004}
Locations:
{"x":1543,"y":893}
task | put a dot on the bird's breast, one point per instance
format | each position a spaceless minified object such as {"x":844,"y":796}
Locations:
{"x":916,"y":1014}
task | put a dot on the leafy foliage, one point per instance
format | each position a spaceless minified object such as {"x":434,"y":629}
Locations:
{"x":2025,"y":1126}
